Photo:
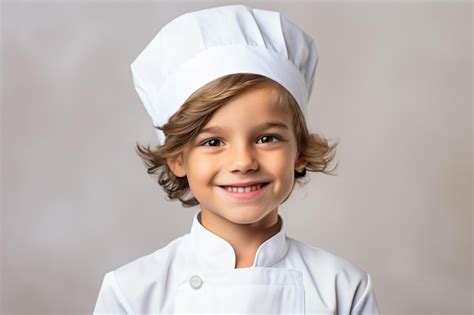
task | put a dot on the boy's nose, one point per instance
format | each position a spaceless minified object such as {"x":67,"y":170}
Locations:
{"x":242,"y":158}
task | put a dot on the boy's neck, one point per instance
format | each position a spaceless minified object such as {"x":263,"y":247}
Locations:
{"x":245,"y":239}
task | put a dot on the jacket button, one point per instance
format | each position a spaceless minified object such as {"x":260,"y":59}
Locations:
{"x":195,"y":282}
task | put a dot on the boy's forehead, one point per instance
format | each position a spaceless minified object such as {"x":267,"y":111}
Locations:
{"x":271,"y":114}
{"x":265,"y":100}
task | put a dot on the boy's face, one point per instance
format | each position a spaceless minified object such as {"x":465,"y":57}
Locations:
{"x":241,"y":150}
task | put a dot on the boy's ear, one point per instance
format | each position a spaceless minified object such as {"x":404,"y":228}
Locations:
{"x":300,"y":164}
{"x":176,"y":165}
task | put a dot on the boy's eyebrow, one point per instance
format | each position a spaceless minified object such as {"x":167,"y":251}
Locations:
{"x":267,"y":125}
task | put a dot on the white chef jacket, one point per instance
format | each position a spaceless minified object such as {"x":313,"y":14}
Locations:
{"x":196,"y":273}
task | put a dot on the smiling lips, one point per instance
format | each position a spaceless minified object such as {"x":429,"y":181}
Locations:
{"x":247,"y":192}
{"x":246,"y":189}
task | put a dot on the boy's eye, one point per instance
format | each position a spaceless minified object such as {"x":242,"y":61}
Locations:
{"x":267,"y":137}
{"x":213,"y":142}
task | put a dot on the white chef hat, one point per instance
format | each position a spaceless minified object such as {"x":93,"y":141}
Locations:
{"x":198,"y":47}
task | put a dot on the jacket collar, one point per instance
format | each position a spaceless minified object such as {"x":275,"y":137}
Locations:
{"x":218,"y":254}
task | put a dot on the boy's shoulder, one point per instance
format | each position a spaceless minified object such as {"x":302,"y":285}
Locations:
{"x":329,"y":275}
{"x":316,"y":259}
{"x":134,"y":280}
{"x":151,"y":266}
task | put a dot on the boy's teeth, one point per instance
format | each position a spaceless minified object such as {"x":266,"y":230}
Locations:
{"x":243,"y":189}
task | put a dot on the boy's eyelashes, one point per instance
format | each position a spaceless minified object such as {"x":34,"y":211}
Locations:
{"x":267,"y":138}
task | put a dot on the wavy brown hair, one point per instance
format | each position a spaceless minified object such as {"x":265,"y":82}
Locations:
{"x":184,"y":125}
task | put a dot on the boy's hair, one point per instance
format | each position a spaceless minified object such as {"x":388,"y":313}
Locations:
{"x":184,"y":126}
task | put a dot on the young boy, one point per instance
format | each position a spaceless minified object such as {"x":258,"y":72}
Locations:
{"x":227,"y":90}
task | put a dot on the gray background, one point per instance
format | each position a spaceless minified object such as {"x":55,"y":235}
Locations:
{"x":393,"y":83}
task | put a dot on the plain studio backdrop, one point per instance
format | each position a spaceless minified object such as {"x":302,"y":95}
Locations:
{"x":393,"y":84}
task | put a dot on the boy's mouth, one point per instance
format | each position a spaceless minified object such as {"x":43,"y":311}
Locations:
{"x":244,"y":189}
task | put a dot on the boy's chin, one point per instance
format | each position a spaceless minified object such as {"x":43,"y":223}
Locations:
{"x":246,"y":216}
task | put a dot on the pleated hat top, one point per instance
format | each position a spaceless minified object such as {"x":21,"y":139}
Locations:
{"x":201,"y":46}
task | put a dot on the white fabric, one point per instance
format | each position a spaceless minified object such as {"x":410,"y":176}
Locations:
{"x":198,"y":47}
{"x":195,"y":274}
